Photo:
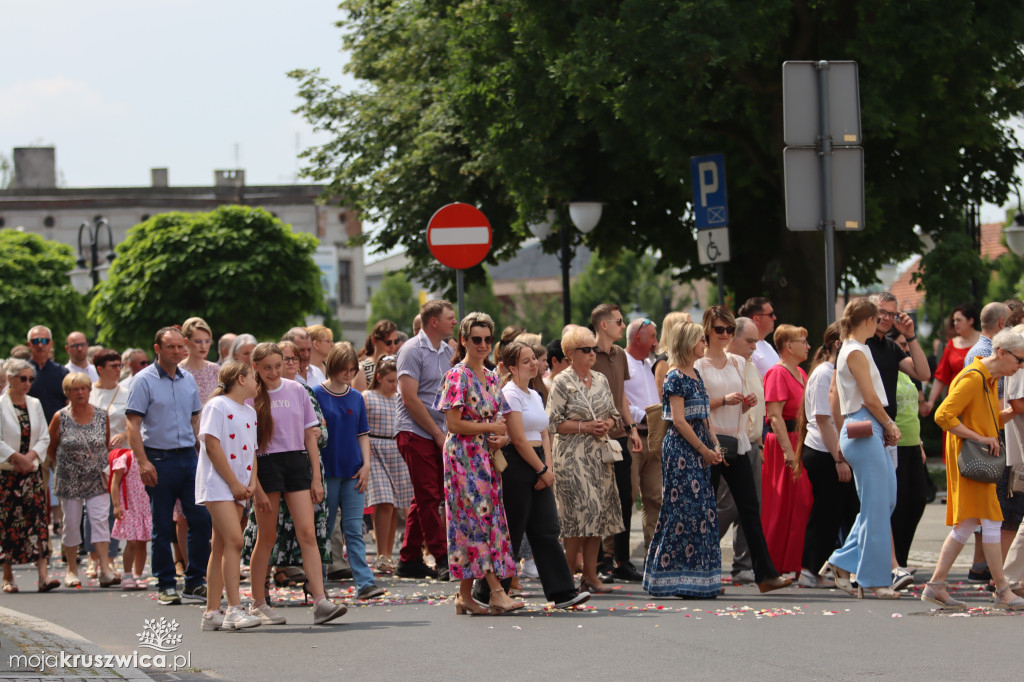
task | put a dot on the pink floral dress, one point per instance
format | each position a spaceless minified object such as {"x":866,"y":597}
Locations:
{"x":478,"y":539}
{"x":137,"y":521}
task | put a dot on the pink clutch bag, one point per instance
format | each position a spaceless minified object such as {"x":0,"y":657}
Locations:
{"x":859,"y":429}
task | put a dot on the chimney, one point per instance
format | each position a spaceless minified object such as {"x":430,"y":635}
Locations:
{"x":35,"y":168}
{"x":229,"y":178}
{"x":158,"y":177}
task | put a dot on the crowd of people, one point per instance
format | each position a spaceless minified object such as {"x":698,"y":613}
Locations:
{"x":496,"y":449}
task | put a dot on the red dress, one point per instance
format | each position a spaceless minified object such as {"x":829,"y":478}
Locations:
{"x":785,"y":503}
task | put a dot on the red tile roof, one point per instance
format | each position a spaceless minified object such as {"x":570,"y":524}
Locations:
{"x":992,"y":241}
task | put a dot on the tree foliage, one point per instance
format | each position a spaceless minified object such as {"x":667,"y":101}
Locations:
{"x":238,"y":267}
{"x":517,"y":106}
{"x":395,"y":300}
{"x":35,"y":289}
{"x":629,"y":280}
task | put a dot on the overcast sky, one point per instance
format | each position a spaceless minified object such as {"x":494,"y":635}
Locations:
{"x":122,"y":86}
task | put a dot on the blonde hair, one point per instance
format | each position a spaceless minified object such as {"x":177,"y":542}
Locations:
{"x":575,"y":337}
{"x":75,"y":380}
{"x":856,"y":311}
{"x":787,"y":333}
{"x":318,"y":332}
{"x":228,"y":377}
{"x":671,"y":320}
{"x":192,"y":324}
{"x":684,"y":338}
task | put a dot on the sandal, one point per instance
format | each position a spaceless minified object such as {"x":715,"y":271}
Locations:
{"x":72,"y":581}
{"x":50,"y":584}
{"x":10,"y":587}
{"x":1015,"y":604}
{"x":282,"y":579}
{"x":928,"y":595}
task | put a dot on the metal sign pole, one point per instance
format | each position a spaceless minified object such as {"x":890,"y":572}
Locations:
{"x":720,"y":276}
{"x":461,"y":293}
{"x":827,"y":223}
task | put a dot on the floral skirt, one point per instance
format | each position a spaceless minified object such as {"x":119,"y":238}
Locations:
{"x":24,"y":518}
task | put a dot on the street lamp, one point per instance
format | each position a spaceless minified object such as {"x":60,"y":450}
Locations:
{"x":584,"y":215}
{"x":93,"y":232}
{"x":1015,"y":233}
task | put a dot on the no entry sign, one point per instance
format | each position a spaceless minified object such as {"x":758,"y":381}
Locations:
{"x":459,"y":236}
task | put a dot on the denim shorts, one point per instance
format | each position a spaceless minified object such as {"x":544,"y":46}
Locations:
{"x":284,"y":472}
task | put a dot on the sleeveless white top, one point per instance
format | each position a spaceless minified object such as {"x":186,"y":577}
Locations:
{"x":850,"y":398}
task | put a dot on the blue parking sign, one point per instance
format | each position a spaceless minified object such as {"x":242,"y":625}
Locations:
{"x":710,"y":208}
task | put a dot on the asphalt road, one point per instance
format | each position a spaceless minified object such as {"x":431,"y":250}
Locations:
{"x":414,"y":634}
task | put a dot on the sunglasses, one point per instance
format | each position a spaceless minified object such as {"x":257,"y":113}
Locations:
{"x":24,"y":379}
{"x":645,"y":323}
{"x":78,"y":345}
{"x":618,"y":322}
{"x":144,"y":363}
{"x":477,"y":340}
{"x":41,"y":342}
{"x":587,"y":350}
{"x":387,"y":342}
{"x":724,"y":330}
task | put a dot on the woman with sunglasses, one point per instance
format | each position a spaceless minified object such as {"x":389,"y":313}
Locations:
{"x":473,"y":406}
{"x":582,"y":412}
{"x":24,"y":499}
{"x":379,"y":342}
{"x":729,"y":399}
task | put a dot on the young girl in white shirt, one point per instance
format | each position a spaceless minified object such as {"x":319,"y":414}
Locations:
{"x":224,"y":480}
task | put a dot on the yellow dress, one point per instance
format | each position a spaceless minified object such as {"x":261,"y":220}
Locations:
{"x":967,"y":499}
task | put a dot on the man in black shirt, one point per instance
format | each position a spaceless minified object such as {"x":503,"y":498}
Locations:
{"x":47,"y":385}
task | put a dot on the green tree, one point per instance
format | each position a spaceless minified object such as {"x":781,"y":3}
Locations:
{"x":1008,"y":269}
{"x":517,"y":106}
{"x":35,"y":289}
{"x":395,"y":300}
{"x":628,"y":279}
{"x":537,"y":313}
{"x":238,"y":267}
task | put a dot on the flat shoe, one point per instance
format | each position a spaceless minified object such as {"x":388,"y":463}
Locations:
{"x":928,"y":595}
{"x":776,"y":583}
{"x":51,"y":584}
{"x":72,"y":581}
{"x":10,"y":588}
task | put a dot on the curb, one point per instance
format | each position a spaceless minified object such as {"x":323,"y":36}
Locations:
{"x":21,"y":633}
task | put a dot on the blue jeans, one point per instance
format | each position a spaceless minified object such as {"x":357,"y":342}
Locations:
{"x":176,"y":480}
{"x":342,"y":492}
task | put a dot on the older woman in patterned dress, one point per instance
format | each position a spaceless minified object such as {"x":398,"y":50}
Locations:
{"x":582,"y":411}
{"x":478,"y":540}
{"x":24,"y":509}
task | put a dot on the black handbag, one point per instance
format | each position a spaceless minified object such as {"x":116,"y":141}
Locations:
{"x":975,"y":461}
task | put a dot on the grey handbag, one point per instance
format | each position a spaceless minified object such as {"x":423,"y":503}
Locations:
{"x":975,"y":461}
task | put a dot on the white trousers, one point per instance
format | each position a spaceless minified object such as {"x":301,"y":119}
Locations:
{"x":98,"y":509}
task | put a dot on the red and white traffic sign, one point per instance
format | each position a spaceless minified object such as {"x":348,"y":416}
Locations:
{"x":459,"y":236}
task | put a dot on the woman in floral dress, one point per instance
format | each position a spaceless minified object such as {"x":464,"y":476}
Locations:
{"x":684,"y":558}
{"x":478,"y":540}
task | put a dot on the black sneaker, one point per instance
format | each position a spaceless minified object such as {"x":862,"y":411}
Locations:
{"x":443,"y":574}
{"x":371,"y":591}
{"x":572,"y":600}
{"x":197,"y":593}
{"x":979,"y":573}
{"x":628,"y":572}
{"x":414,"y":569}
{"x":340,"y":574}
{"x":169,"y":597}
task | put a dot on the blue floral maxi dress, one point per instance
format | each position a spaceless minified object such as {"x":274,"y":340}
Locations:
{"x":685,"y":558}
{"x":478,"y":539}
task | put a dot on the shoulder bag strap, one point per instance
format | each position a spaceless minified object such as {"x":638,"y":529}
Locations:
{"x":984,"y":385}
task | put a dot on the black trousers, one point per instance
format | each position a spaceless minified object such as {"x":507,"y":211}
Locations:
{"x":534,"y":513}
{"x":911,"y":498}
{"x":835,"y":507}
{"x":740,"y":478}
{"x":624,"y":485}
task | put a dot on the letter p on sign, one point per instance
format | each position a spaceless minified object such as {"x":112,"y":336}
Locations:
{"x":710,"y":207}
{"x":707,"y":180}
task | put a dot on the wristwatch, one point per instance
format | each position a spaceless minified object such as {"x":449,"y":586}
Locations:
{"x":631,"y":427}
{"x":542,"y":471}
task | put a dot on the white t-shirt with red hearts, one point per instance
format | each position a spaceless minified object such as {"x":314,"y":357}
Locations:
{"x":234,"y":425}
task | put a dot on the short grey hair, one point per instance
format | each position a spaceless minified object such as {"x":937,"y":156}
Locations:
{"x":241,"y":340}
{"x":1008,"y":340}
{"x":634,"y":327}
{"x":992,"y":313}
{"x":28,"y":335}
{"x":880,"y":297}
{"x":742,"y":323}
{"x":15,"y":366}
{"x":293,"y":334}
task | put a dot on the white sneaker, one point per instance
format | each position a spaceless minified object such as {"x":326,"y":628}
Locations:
{"x":237,"y":619}
{"x":529,"y":569}
{"x":212,"y":620}
{"x":267,"y":615}
{"x":808,"y":579}
{"x":326,"y":611}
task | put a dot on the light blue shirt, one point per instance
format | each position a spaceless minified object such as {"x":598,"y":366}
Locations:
{"x":982,"y":349}
{"x":166,"y":405}
{"x":419,"y":359}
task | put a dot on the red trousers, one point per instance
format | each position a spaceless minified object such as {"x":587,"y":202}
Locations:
{"x":424,"y":521}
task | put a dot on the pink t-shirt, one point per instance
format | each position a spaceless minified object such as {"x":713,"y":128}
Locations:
{"x":293,"y":413}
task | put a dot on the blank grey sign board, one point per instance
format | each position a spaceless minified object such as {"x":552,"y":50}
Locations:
{"x":801,"y":119}
{"x":803,"y":189}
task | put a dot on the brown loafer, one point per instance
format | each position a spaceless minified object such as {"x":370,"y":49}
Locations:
{"x":776,"y":583}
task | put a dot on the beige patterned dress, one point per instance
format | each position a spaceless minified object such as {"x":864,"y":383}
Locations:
{"x":588,"y":503}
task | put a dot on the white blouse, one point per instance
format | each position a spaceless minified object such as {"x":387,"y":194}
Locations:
{"x":726,"y":420}
{"x":850,"y":398}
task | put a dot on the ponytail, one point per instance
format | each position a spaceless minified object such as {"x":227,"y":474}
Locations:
{"x":228,"y":377}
